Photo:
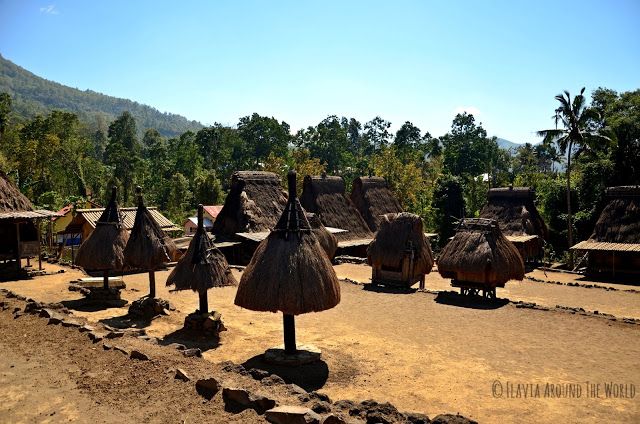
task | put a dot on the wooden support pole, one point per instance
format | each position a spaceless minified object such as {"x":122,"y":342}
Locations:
{"x":39,"y":246}
{"x":204,"y":302}
{"x":152,"y":284}
{"x":18,"y":249}
{"x":289,"y":324}
{"x":105,"y":282}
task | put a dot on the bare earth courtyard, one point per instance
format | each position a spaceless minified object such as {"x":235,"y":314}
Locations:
{"x":421,"y":351}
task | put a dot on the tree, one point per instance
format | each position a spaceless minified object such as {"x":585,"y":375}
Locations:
{"x":262,"y":136}
{"x":376,"y":133}
{"x":180,"y":197}
{"x":409,"y":142}
{"x":208,"y":189}
{"x":5,"y":110}
{"x":150,"y":139}
{"x":123,"y":151}
{"x":576,"y":118}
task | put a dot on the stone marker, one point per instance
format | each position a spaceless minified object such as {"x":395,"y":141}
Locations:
{"x":237,"y":400}
{"x":290,"y":414}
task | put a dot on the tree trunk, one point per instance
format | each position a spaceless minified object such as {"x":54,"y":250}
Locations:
{"x":152,"y":284}
{"x":569,"y":215}
{"x":289,"y":334}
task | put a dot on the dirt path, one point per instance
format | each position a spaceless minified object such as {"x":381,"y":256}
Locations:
{"x":423,"y":353}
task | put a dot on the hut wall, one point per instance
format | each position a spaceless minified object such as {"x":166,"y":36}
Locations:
{"x":613,"y":263}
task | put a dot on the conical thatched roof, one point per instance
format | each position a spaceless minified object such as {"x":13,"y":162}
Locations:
{"x":148,"y":246}
{"x":254,"y":204}
{"x":399,"y":233}
{"x":104,"y":248}
{"x":515,"y":211}
{"x":324,"y":196}
{"x":203,"y":266}
{"x":328,"y":241}
{"x":11,"y":200}
{"x":373,"y":199}
{"x":480,"y":253}
{"x":619,"y":221}
{"x":289,"y":271}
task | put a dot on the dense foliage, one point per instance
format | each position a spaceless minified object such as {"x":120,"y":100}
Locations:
{"x":57,"y":157}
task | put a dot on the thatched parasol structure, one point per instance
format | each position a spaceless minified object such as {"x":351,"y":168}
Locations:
{"x":518,"y":217}
{"x":614,"y":245}
{"x":373,"y":199}
{"x":104,"y":249}
{"x":328,"y":241}
{"x":400,"y":252}
{"x":202,"y":267}
{"x":324,"y":195}
{"x":479,"y":255}
{"x":254,"y":204}
{"x":148,"y":247}
{"x":289,"y":271}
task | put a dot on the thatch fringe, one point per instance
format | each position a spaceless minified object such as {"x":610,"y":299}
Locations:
{"x":373,"y":199}
{"x":203,"y":266}
{"x":619,"y":221}
{"x":328,"y":241}
{"x":515,"y":211}
{"x":148,"y":246}
{"x":104,"y":248}
{"x":289,"y":271}
{"x":480,"y":253}
{"x":398,"y":234}
{"x":324,"y":196}
{"x":11,"y":199}
{"x":254,"y":203}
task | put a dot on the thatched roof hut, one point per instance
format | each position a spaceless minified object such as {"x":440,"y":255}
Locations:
{"x":373,"y":199}
{"x":400,"y":251}
{"x":479,"y":253}
{"x":328,"y":241}
{"x":289,"y":272}
{"x":324,"y":196}
{"x":104,"y":249}
{"x":518,"y":217}
{"x":12,"y":201}
{"x":254,"y":203}
{"x":148,"y":247}
{"x":614,"y":245}
{"x":202,"y":267}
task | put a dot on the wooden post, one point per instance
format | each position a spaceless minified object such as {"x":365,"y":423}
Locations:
{"x":289,"y":334}
{"x":18,"y":252}
{"x":204,"y":303}
{"x":152,"y":284}
{"x":105,"y":283}
{"x":39,"y":246}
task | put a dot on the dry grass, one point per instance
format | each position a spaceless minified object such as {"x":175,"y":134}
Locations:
{"x":619,"y":221}
{"x":328,"y":241}
{"x":11,"y":200}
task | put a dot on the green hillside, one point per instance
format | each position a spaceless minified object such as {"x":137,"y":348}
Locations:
{"x":33,"y":95}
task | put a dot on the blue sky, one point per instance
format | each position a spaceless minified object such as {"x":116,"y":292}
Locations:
{"x":299,"y":61}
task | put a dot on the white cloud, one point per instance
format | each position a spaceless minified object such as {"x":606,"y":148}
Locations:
{"x":49,"y":10}
{"x":469,"y":109}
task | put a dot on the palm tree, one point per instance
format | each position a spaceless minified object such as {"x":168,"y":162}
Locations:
{"x":575,"y":118}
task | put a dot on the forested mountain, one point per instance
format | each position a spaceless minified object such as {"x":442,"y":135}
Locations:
{"x":32,"y":95}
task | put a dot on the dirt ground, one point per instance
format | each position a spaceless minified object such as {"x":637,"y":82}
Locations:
{"x":420,"y":351}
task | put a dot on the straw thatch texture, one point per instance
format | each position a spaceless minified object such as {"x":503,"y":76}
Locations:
{"x":328,"y":241}
{"x":619,"y":221}
{"x":254,"y":203}
{"x":324,"y":196}
{"x":202,"y":267}
{"x":398,"y":234}
{"x":373,"y":199}
{"x":289,"y":271}
{"x":104,"y":249}
{"x":480,"y":253}
{"x":11,"y":200}
{"x":515,"y":211}
{"x":148,"y":246}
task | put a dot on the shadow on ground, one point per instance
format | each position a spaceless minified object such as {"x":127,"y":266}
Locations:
{"x":310,"y":376}
{"x":126,"y":321}
{"x":190,"y":339}
{"x":472,"y":302}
